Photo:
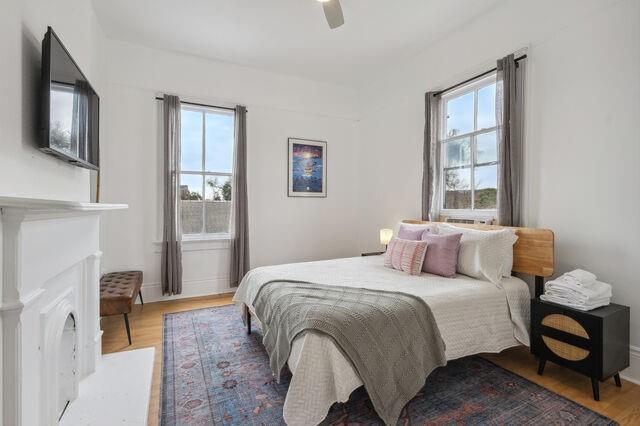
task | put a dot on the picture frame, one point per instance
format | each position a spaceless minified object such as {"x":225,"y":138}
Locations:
{"x":307,"y":168}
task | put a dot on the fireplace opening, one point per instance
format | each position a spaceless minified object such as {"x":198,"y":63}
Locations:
{"x":67,"y":372}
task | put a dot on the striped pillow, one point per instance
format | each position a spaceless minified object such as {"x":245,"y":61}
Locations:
{"x":405,"y":255}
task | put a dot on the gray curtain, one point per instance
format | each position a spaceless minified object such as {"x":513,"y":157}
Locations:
{"x":171,"y":234}
{"x":431,"y":185}
{"x":239,"y":229}
{"x":509,"y":122}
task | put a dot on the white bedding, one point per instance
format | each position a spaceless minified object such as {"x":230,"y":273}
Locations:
{"x":473,"y":316}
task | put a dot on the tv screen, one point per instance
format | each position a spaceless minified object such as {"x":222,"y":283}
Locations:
{"x":70,"y":107}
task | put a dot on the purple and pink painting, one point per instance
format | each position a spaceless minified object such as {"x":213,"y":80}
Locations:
{"x":307,"y":168}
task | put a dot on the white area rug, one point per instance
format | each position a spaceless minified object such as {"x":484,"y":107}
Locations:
{"x":116,"y":394}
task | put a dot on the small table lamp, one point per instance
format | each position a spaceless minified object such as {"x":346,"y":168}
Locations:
{"x":385,"y":237}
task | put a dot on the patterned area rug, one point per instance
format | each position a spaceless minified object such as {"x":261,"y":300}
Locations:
{"x":214,"y":373}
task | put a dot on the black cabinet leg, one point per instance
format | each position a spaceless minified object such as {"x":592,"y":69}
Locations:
{"x":126,"y":324}
{"x":541,"y":365}
{"x":596,"y":388}
{"x":616,"y":377}
{"x":141,"y":301}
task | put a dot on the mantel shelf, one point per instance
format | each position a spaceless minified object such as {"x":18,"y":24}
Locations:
{"x":42,"y":205}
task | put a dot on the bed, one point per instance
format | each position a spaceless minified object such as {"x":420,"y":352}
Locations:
{"x":473,"y":316}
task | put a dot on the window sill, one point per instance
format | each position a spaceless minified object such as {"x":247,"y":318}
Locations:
{"x":470,"y":214}
{"x":205,"y":242}
{"x":191,"y":238}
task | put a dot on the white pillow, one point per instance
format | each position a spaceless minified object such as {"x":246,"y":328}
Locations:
{"x":486,"y":255}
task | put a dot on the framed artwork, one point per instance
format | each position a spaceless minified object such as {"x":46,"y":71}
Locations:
{"x":307,"y":168}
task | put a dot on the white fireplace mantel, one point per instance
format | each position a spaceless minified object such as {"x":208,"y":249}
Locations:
{"x":50,"y":270}
{"x":37,"y":205}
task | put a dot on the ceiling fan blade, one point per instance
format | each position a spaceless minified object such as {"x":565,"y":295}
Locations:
{"x":333,"y":12}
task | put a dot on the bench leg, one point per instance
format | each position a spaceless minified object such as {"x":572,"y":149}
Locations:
{"x":141,"y":301}
{"x":126,"y":324}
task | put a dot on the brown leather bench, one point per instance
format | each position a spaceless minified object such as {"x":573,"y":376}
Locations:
{"x":118,"y":291}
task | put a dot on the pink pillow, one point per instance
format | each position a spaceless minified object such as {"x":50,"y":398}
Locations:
{"x":407,"y":233}
{"x":442,"y":254}
{"x":405,"y":255}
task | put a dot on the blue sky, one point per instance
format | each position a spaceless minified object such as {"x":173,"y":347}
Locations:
{"x":460,"y":111}
{"x":219,"y":137}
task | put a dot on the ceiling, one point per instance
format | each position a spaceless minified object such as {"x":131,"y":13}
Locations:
{"x":290,"y":36}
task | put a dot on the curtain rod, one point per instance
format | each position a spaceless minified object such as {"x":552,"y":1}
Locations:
{"x":200,"y":105}
{"x":469,"y":80}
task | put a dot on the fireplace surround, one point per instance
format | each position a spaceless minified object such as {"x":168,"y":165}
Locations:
{"x":51,"y":338}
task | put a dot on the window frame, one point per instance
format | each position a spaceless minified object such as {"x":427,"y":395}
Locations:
{"x":204,"y":173}
{"x":473,"y":86}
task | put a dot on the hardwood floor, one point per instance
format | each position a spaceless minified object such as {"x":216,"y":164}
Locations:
{"x":620,"y":404}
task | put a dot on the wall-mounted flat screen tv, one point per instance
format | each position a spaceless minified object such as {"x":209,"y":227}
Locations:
{"x":70,"y":107}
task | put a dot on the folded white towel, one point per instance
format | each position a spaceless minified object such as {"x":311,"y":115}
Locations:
{"x":581,"y":276}
{"x":580,"y":306}
{"x":573,"y":281}
{"x":594,"y":290}
{"x":578,"y":289}
{"x":574,"y":301}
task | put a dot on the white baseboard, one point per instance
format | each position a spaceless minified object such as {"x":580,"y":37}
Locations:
{"x":632,"y":373}
{"x":152,"y":292}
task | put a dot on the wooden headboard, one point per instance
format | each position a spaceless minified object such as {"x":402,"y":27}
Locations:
{"x":532,"y":253}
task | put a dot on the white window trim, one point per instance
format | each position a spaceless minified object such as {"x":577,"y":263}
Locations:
{"x":471,"y":213}
{"x":204,"y":237}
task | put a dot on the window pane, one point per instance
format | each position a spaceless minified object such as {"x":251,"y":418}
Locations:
{"x":460,"y":115}
{"x":485,"y":182}
{"x":191,"y":135}
{"x":219,"y":137}
{"x":486,"y":150}
{"x":487,"y":107}
{"x":191,"y":204}
{"x":217,"y":188}
{"x":457,"y":153}
{"x":217,"y":204}
{"x":457,"y":189}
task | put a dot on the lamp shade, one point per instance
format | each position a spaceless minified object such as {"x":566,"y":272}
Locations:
{"x":385,"y":236}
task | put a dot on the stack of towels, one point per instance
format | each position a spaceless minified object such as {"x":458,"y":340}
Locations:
{"x":577,"y":289}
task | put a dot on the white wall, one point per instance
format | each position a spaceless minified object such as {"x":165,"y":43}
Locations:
{"x":282,"y":229}
{"x":24,"y":170}
{"x":582,"y":178}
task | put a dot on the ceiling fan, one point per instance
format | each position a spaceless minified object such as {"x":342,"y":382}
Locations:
{"x":333,"y":13}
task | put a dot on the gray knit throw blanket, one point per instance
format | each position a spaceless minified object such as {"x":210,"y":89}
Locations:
{"x":391,"y":338}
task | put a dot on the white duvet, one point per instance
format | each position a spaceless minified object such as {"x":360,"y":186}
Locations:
{"x":473,"y":316}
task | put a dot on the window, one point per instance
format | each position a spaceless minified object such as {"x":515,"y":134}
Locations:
{"x":469,"y":147}
{"x":206,"y":170}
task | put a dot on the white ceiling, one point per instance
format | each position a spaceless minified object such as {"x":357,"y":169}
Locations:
{"x":290,"y":36}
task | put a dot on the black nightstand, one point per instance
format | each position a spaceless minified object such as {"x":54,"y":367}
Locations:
{"x":373,"y":253}
{"x":594,"y":343}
